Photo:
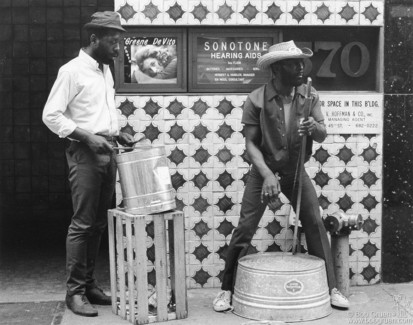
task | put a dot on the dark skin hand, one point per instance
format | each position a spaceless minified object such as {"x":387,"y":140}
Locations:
{"x":271,"y":186}
{"x":99,"y":144}
{"x":125,"y":139}
{"x":307,"y":127}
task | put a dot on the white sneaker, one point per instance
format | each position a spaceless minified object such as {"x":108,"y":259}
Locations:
{"x":338,"y":299}
{"x":223,"y":301}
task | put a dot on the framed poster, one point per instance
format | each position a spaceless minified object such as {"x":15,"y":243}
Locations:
{"x":152,"y":60}
{"x":224,"y":60}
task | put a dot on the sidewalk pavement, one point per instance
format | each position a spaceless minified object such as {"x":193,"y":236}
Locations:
{"x":34,"y":278}
{"x":376,"y":304}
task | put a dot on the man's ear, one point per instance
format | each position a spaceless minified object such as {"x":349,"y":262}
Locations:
{"x":93,"y":40}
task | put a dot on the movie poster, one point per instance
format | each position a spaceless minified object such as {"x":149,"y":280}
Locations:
{"x":150,"y":60}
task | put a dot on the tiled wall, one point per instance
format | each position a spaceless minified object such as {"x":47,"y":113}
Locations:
{"x":206,"y":148}
{"x":251,"y":12}
{"x":206,"y":152}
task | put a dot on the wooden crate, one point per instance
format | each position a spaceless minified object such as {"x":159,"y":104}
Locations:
{"x":128,"y":265}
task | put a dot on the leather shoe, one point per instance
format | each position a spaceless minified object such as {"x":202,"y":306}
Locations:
{"x":80,"y":305}
{"x":98,"y":297}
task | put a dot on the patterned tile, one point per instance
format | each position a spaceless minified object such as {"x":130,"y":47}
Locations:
{"x":225,"y":228}
{"x":250,"y":12}
{"x":224,"y":180}
{"x":371,"y":12}
{"x":201,"y":155}
{"x":348,"y":12}
{"x":225,"y":12}
{"x":200,"y":12}
{"x":201,"y":229}
{"x":224,"y":107}
{"x":274,"y":12}
{"x":223,"y":222}
{"x":299,"y":13}
{"x":201,"y":180}
{"x":209,"y":167}
{"x":152,"y":12}
{"x":273,"y":227}
{"x":321,"y":155}
{"x":323,"y":12}
{"x":368,"y":273}
{"x":200,"y":276}
{"x":345,"y":154}
{"x":225,"y":131}
{"x":177,"y":156}
{"x":200,"y":106}
{"x":175,"y":107}
{"x":128,"y":11}
{"x":370,"y":202}
{"x":226,"y":203}
{"x":176,"y":12}
{"x":152,"y":132}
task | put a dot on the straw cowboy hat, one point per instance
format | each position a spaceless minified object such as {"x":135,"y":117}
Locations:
{"x":105,"y":19}
{"x":283,"y":51}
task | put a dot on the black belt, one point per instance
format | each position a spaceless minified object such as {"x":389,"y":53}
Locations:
{"x":109,"y":138}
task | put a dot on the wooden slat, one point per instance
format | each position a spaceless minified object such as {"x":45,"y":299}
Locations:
{"x":172,"y":257}
{"x":131,"y":282}
{"x":141,"y":269}
{"x":112,"y":260}
{"x":138,"y":265}
{"x":180,"y":274}
{"x":121,"y":267}
{"x":161,"y":266}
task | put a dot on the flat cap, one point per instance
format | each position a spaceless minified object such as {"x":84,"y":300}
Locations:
{"x":105,"y":19}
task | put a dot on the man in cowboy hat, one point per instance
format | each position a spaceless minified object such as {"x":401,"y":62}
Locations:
{"x":273,"y":128}
{"x":81,"y":107}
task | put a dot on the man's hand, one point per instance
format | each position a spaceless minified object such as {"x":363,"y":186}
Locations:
{"x":125,"y":139}
{"x":98,"y":144}
{"x":307,"y":126}
{"x":270,"y":188}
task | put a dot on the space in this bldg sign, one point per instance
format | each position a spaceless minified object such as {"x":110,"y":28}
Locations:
{"x":353,"y":113}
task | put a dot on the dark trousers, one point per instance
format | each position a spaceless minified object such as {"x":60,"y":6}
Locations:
{"x":251,"y":212}
{"x":92,"y":180}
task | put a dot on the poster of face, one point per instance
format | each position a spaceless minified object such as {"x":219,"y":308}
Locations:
{"x":151,"y":60}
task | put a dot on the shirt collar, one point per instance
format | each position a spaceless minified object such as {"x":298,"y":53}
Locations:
{"x":272,"y":93}
{"x":88,"y":59}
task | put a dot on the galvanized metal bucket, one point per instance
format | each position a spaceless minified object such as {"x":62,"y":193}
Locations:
{"x":281,"y":286}
{"x":145,"y":180}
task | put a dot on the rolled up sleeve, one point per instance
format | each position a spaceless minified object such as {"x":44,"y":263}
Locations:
{"x":320,"y":133}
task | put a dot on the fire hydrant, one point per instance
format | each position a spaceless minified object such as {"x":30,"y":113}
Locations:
{"x":340,"y":226}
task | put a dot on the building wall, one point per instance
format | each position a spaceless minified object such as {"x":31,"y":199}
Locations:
{"x":38,"y":36}
{"x":206,"y":148}
{"x":397,"y":150}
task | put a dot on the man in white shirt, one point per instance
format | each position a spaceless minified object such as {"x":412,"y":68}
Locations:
{"x":81,"y":107}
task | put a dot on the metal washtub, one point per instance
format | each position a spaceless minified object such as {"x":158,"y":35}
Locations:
{"x":145,"y":180}
{"x":281,"y":286}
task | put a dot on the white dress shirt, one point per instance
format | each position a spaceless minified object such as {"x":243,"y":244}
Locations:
{"x":82,"y":96}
